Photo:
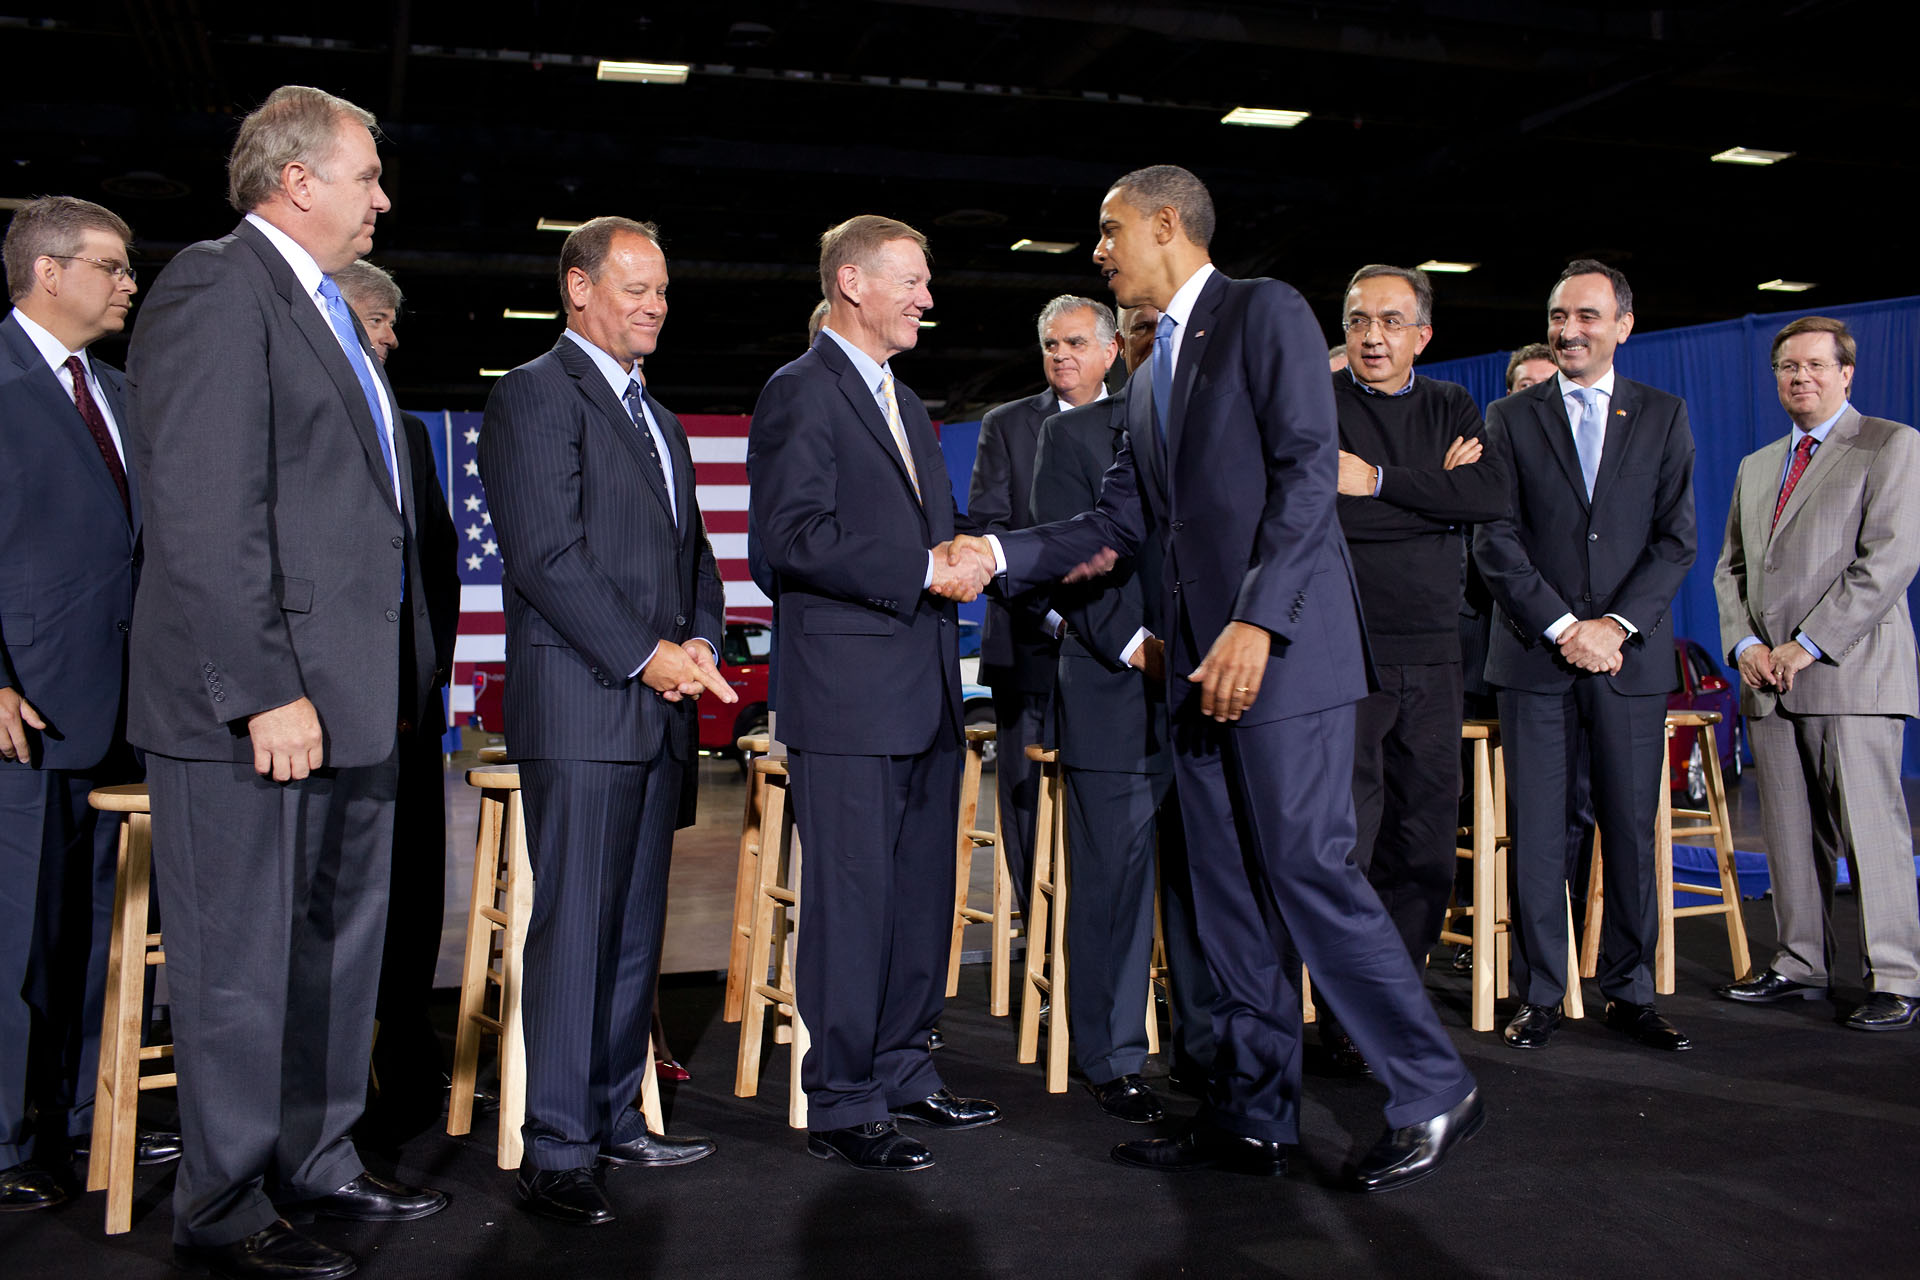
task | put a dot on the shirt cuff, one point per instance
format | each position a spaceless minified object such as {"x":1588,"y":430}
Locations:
{"x":929,"y":581}
{"x":1379,"y":478}
{"x":1140,"y":637}
{"x":1746,"y":643}
{"x":1056,"y":625}
{"x":643,"y":666}
{"x":1807,"y":643}
{"x":1630,"y":628}
{"x":1558,"y":625}
{"x":999,"y":556}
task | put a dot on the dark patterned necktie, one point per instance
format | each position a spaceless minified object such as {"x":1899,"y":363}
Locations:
{"x":1802,"y":455}
{"x":97,"y":427}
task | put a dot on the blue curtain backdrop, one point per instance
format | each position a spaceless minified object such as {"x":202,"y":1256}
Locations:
{"x":1722,"y":372}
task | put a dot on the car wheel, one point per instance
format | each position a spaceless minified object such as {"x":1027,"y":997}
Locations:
{"x":981,"y":715}
{"x":1696,"y":774}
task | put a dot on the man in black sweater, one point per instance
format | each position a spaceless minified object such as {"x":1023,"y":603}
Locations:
{"x":1412,"y":471}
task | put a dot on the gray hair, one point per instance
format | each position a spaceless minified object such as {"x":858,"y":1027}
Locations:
{"x":1159,"y":186}
{"x":53,"y":227}
{"x":588,"y":244}
{"x":1416,"y":280}
{"x":817,"y":319}
{"x":295,"y":125}
{"x":1068,"y":303}
{"x":373,"y":285}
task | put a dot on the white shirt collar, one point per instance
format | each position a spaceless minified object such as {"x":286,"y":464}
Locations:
{"x":1181,"y":304}
{"x":1604,"y":385}
{"x":870,"y":373}
{"x":52,"y":350}
{"x":1065,"y":407}
{"x":617,"y":378}
{"x":305,"y":269}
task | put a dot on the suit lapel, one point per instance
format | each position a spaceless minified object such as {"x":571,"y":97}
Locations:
{"x":1759,"y":496}
{"x":63,"y":415}
{"x":1825,"y":460}
{"x":116,"y":389}
{"x":682,"y":457}
{"x":1550,"y":411}
{"x":1623,"y":415}
{"x":867,"y":408}
{"x":586,"y":376}
{"x":1193,"y":350}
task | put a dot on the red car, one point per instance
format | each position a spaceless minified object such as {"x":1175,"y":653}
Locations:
{"x":1703,"y":687}
{"x":744,"y":651}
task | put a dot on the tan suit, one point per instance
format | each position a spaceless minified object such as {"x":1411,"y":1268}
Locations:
{"x":1836,"y":567}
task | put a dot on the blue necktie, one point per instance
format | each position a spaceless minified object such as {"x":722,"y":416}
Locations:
{"x":1162,"y":375}
{"x":342,"y":321}
{"x":1589,"y":434}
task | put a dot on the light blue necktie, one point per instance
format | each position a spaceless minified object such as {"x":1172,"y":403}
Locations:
{"x":1589,"y":434}
{"x":1162,"y":375}
{"x":342,"y":321}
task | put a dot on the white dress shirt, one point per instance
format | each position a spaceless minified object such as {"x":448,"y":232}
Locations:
{"x":55,"y":353}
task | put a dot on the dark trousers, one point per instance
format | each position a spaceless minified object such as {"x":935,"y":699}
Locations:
{"x":1192,"y":993}
{"x":408,"y":1059}
{"x":1269,"y":819}
{"x":1021,"y":721}
{"x":876,"y":918}
{"x":273,"y":896}
{"x":57,"y":864}
{"x":1624,"y":737}
{"x":1110,"y":840}
{"x":599,"y":837}
{"x":1406,"y":789}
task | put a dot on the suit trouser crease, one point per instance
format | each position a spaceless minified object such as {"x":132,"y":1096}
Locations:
{"x":599,"y":837}
{"x":274,"y":902}
{"x":876,"y":912}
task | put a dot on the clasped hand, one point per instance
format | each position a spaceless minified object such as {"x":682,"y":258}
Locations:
{"x":1773,"y":669}
{"x":685,"y":671}
{"x":1593,"y":644}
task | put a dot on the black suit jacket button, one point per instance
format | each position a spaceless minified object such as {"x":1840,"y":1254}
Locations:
{"x":679,"y":619}
{"x":1178,"y":525}
{"x":219,"y":697}
{"x":208,"y":668}
{"x":399,"y":543}
{"x":122,"y":624}
{"x":1593,"y":537}
{"x":392,"y":616}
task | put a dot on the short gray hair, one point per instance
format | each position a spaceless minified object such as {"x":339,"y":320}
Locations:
{"x":296,"y":124}
{"x":818,"y":318}
{"x":53,"y":227}
{"x":373,"y":285}
{"x":1161,"y":185}
{"x":1416,"y":280}
{"x":1068,"y":303}
{"x":588,"y":244}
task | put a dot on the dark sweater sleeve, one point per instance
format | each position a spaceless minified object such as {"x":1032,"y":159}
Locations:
{"x":1472,"y":492}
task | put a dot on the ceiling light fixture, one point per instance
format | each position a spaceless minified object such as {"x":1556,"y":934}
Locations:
{"x":1786,"y":286}
{"x":1264,"y":117}
{"x":511,"y":314}
{"x":1024,"y":245}
{"x":1448,"y":268}
{"x":1749,"y":155}
{"x":557,"y":224}
{"x":643,"y":72}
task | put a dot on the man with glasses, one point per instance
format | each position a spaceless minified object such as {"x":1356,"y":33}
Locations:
{"x":1412,"y":472}
{"x":70,"y":523}
{"x":1823,"y":539}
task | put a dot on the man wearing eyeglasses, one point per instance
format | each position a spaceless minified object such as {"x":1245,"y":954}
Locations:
{"x":70,"y":524}
{"x":1823,"y":538}
{"x":1412,"y":471}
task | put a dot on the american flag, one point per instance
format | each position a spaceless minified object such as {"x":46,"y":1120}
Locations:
{"x":719,"y":445}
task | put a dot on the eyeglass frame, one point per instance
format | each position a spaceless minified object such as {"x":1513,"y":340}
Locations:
{"x":1388,"y":324}
{"x":118,"y":270}
{"x":1814,"y":368}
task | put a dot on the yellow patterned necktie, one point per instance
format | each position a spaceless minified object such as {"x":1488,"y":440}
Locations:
{"x":899,"y":433}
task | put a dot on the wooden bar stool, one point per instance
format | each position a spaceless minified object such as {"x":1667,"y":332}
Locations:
{"x":1000,"y":915}
{"x":1046,"y":966}
{"x":1711,"y":821}
{"x":130,"y":950}
{"x":746,"y":867}
{"x":773,"y":920}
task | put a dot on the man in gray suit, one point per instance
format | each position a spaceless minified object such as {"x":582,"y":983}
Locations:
{"x":265,"y":684}
{"x":1822,"y":540}
{"x":612,"y":602}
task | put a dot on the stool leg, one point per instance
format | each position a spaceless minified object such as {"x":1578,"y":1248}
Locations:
{"x":1572,"y":1005}
{"x":1000,"y":971}
{"x":117,"y":1152}
{"x":1038,"y":907}
{"x":513,"y":1050}
{"x":1596,"y":912}
{"x":1058,"y":1034}
{"x":650,"y":1095}
{"x":1486,"y":904}
{"x":106,"y":1076}
{"x":1737,"y":949}
{"x":796,"y":1091}
{"x":747,"y":862}
{"x":473,"y":972}
{"x":969,"y":816}
{"x":1663,"y":886}
{"x":775,"y":839}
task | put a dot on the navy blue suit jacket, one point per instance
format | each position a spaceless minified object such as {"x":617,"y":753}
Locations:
{"x":1016,"y":651}
{"x":595,"y":570}
{"x":1555,"y":552}
{"x":868,"y":659}
{"x":1242,"y":497}
{"x":69,"y":562}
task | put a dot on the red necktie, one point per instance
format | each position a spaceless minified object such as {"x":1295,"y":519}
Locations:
{"x":1802,"y":454}
{"x":97,"y":425}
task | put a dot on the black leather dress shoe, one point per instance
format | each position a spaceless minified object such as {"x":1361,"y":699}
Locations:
{"x":944,"y":1111}
{"x":150,"y":1147}
{"x":1205,"y":1147}
{"x":1533,"y":1026}
{"x":1342,"y":1053}
{"x":1644,"y":1023}
{"x":1885,"y":1011}
{"x":1768,"y":987}
{"x":656,"y":1150}
{"x":565,"y":1195}
{"x":877,"y":1147}
{"x":1128,"y":1098}
{"x":275,"y":1252}
{"x":373,"y":1199}
{"x":28,"y":1186}
{"x":1415,"y":1151}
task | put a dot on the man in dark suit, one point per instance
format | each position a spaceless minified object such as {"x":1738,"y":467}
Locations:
{"x":1020,"y":640}
{"x":266,"y":670}
{"x":1232,"y":461}
{"x":613,"y":610}
{"x":409,"y":1065}
{"x":849,"y":495}
{"x":1110,"y":709}
{"x":70,"y":523}
{"x":1599,"y":533}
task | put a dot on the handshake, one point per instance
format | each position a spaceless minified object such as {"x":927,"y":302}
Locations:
{"x":962,"y":568}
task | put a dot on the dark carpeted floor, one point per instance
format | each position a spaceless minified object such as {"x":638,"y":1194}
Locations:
{"x":1780,"y":1145}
